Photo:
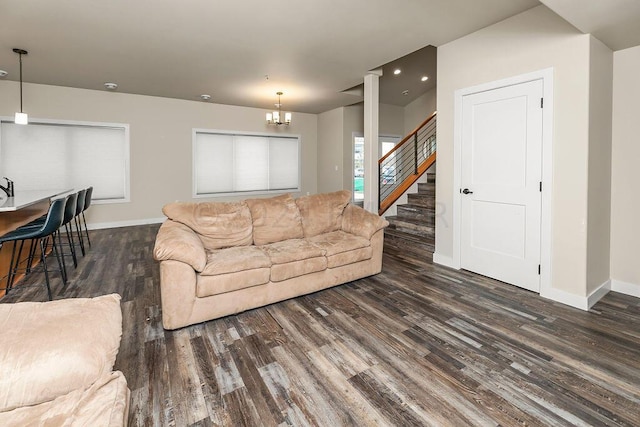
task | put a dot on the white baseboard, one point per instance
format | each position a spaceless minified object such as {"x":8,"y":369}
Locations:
{"x":128,"y":223}
{"x":444,"y":260}
{"x":566,"y":298}
{"x":632,"y":289}
{"x":577,"y":301}
{"x":597,"y":294}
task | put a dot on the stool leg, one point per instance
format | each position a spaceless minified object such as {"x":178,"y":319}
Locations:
{"x":32,"y":255}
{"x":72,"y":244}
{"x":85,"y":228}
{"x":43,"y":258}
{"x":59,"y":255}
{"x":79,"y":232}
{"x":56,"y":238}
{"x":12,"y":268}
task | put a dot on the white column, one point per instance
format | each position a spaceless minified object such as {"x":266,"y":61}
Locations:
{"x":371,"y":150}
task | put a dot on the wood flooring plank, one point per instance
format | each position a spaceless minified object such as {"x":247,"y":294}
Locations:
{"x":307,"y":391}
{"x":268,"y":411}
{"x":187,"y":398}
{"x":206,"y":361}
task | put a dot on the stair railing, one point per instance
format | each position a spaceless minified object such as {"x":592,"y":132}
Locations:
{"x":405,"y":163}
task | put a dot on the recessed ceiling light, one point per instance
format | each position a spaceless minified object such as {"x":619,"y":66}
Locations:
{"x":205,"y":97}
{"x":424,"y":79}
{"x":3,"y":73}
{"x":397,"y":71}
{"x":111,"y":86}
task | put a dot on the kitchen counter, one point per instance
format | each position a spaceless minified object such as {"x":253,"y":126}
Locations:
{"x":23,"y":199}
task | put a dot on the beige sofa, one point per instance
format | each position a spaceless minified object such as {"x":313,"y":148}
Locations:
{"x":56,"y":361}
{"x":218,"y":259}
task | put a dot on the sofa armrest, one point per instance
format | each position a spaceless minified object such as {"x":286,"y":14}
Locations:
{"x":176,"y":241}
{"x":360,"y":222}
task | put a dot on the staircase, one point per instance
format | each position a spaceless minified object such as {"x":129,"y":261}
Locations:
{"x":405,"y":163}
{"x":411,"y":233}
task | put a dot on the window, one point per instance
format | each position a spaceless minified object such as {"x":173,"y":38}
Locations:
{"x":229,"y":163}
{"x":73,"y":155}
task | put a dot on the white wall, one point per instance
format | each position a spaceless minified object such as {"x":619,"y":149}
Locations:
{"x":160,"y":138}
{"x":418,"y":110}
{"x":335,"y":141}
{"x":330,"y":153}
{"x":625,"y":171}
{"x":391,"y":120}
{"x":534,"y":40}
{"x":599,"y":196}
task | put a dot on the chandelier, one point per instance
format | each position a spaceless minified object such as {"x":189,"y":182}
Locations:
{"x":275,"y":117}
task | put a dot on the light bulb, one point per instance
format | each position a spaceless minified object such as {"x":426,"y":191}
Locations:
{"x":22,"y":119}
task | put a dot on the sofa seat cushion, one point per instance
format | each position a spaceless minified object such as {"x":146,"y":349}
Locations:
{"x":322,"y":213}
{"x":207,"y":286}
{"x":292,"y":250}
{"x":280,"y":272}
{"x":275,"y":219}
{"x":52,"y":348}
{"x":218,"y":224}
{"x":339,"y":241}
{"x":350,"y":257}
{"x":105,"y":403}
{"x":343,"y":248}
{"x":233,"y":260}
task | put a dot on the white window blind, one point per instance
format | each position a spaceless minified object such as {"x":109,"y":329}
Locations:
{"x":227,"y":163}
{"x":62,"y":155}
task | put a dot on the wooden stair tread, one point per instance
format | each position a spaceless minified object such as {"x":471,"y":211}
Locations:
{"x":414,"y":238}
{"x":411,"y":225}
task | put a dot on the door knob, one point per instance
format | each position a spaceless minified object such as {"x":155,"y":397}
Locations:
{"x":467,"y":191}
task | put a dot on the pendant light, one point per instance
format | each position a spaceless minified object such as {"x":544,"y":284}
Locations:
{"x":21,"y":118}
{"x":275,"y":117}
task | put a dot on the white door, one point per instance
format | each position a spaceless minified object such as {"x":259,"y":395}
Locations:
{"x":500,"y":183}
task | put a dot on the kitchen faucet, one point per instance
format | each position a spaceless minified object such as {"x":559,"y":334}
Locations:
{"x":9,"y":188}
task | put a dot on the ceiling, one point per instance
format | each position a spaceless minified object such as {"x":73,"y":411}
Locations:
{"x":243,"y":52}
{"x":407,"y":85}
{"x":616,"y":23}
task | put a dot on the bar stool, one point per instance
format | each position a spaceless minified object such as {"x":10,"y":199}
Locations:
{"x":79,"y":208}
{"x":69,"y":213}
{"x":87,"y":203}
{"x":52,"y":223}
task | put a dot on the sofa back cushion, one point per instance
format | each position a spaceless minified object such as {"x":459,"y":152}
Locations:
{"x":52,"y":348}
{"x":218,"y":224}
{"x":275,"y":219}
{"x":322,"y":213}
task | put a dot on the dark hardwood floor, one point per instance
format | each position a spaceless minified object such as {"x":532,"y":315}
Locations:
{"x":415,"y":345}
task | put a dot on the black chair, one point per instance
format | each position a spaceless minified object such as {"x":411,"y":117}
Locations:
{"x":79,"y":208}
{"x":69,"y":213}
{"x":87,"y":203}
{"x":41,"y":234}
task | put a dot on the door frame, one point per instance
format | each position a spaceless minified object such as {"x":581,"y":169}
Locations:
{"x":355,"y":135}
{"x":546,"y":75}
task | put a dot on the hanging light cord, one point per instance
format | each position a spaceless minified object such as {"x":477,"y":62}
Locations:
{"x":20,"y":54}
